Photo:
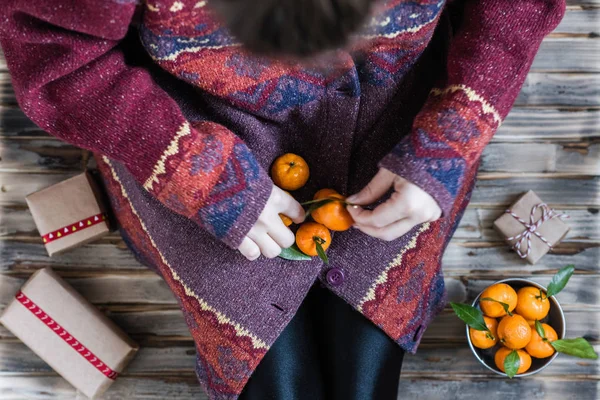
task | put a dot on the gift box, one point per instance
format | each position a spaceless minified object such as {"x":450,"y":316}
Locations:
{"x":69,"y":334}
{"x":69,"y":214}
{"x":531,"y":227}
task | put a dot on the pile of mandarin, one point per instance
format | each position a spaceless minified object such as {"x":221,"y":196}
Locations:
{"x":514,"y":330}
{"x":291,"y":172}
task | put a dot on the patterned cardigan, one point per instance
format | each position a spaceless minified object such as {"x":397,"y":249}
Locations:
{"x":185,"y":131}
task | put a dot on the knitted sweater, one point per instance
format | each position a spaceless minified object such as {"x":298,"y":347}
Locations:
{"x":184,"y":138}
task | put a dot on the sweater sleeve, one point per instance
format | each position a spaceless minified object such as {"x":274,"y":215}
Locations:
{"x":488,"y":60}
{"x":71,"y":78}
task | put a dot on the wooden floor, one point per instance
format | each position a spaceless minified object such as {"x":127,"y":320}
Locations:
{"x":549,"y":143}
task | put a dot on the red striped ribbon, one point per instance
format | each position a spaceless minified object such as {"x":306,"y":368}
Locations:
{"x":66,"y":336}
{"x":74,"y":227}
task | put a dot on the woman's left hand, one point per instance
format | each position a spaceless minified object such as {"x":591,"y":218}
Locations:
{"x":408,"y":206}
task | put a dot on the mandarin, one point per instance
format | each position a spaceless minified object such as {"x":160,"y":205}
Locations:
{"x":514,"y":332}
{"x":499,"y":292}
{"x":290,"y":171}
{"x":311,"y":233}
{"x":524,"y":359}
{"x":530,"y":304}
{"x":333,"y":214}
{"x":539,"y":348}
{"x":287,"y":221}
{"x":481,"y":339}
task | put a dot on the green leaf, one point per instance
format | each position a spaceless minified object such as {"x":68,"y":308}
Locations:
{"x":470,"y":316}
{"x":540,"y":329}
{"x":321,"y":252}
{"x":512,"y":362}
{"x":575,"y":347}
{"x":294,"y":254}
{"x":504,"y":305}
{"x":559,"y":280}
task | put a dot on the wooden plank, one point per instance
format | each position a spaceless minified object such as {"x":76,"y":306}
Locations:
{"x":432,"y":360}
{"x":26,"y":257}
{"x":580,"y":21}
{"x":554,"y":190}
{"x":477,"y":224}
{"x":568,"y":54}
{"x":13,"y":123}
{"x":496,"y":388}
{"x":187,"y":388}
{"x":149,"y":290}
{"x":529,"y":124}
{"x":579,"y":158}
{"x":551,"y":89}
{"x":147,"y":388}
{"x":19,"y":359}
{"x":162,"y":325}
{"x":146,"y":288}
{"x":536,"y":125}
{"x":502,"y":190}
{"x":460,"y":258}
{"x":39,"y":156}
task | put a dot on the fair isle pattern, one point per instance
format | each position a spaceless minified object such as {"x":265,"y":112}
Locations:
{"x":241,"y":331}
{"x":383,"y":278}
{"x":194,"y":50}
{"x":472,"y":95}
{"x":403,"y":17}
{"x":171,"y":150}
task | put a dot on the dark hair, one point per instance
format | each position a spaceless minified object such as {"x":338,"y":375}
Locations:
{"x":296,"y":28}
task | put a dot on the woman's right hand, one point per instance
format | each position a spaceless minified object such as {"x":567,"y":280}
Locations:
{"x":269,"y":235}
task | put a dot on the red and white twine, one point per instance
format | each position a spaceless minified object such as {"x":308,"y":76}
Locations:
{"x":66,"y":336}
{"x":531,"y":228}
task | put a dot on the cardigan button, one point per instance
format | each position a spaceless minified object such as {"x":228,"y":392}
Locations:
{"x":335,"y":277}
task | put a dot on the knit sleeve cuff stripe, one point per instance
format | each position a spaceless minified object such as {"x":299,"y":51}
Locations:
{"x":171,"y":150}
{"x":472,"y":95}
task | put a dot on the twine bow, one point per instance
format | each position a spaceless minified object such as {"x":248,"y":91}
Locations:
{"x":531,"y":228}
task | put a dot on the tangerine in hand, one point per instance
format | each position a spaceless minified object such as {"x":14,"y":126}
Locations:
{"x":499,"y":292}
{"x":532,"y":304}
{"x":514,"y":332}
{"x":524,"y":360}
{"x":482,"y":339}
{"x":311,"y":233}
{"x":290,"y":171}
{"x":333,"y":214}
{"x":539,"y":348}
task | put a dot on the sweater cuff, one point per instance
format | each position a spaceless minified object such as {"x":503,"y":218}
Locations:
{"x":426,"y":174}
{"x":212,"y":179}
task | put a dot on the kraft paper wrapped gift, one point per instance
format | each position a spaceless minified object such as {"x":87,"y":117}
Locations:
{"x":69,"y":214}
{"x":69,"y":334}
{"x":531,"y":227}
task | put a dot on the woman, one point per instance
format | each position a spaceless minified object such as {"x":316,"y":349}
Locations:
{"x":395,"y":104}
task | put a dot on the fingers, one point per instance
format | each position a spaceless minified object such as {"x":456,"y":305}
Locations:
{"x":268,"y":247}
{"x":390,"y":232}
{"x":281,"y":234}
{"x":381,"y":216}
{"x":292,"y":208}
{"x":249,"y":249}
{"x":378,"y":186}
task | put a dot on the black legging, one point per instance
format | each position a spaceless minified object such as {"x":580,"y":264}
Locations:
{"x":328,"y":351}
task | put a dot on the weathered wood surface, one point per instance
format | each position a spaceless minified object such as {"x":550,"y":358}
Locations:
{"x":579,"y":157}
{"x":521,"y":125}
{"x":548,"y":143}
{"x":573,"y":190}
